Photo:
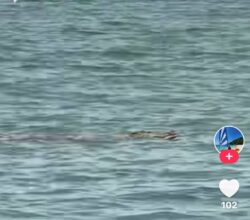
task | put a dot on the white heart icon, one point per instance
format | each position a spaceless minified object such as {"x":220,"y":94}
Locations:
{"x":229,"y":187}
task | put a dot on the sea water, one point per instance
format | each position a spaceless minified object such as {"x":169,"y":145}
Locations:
{"x":109,"y":67}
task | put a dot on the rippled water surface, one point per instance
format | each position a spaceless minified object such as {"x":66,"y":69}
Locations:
{"x":107,"y":67}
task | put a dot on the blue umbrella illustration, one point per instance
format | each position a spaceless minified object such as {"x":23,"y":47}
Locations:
{"x":227,"y":138}
{"x":223,"y":139}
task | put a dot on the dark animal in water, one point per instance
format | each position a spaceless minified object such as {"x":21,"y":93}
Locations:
{"x":85,"y":137}
{"x":171,"y":135}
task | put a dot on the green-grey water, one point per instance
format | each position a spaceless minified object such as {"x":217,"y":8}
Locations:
{"x":101,"y":68}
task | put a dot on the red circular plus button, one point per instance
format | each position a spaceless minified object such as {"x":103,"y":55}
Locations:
{"x":229,"y":156}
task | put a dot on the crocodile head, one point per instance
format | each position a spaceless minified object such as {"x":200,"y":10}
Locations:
{"x":171,"y":135}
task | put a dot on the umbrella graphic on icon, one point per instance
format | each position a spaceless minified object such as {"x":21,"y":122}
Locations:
{"x":229,"y":142}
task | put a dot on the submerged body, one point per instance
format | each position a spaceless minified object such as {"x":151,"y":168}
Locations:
{"x":171,"y":135}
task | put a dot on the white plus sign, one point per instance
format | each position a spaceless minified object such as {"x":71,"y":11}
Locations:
{"x":229,"y":156}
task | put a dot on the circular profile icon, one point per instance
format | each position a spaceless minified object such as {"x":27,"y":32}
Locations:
{"x":229,"y":138}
